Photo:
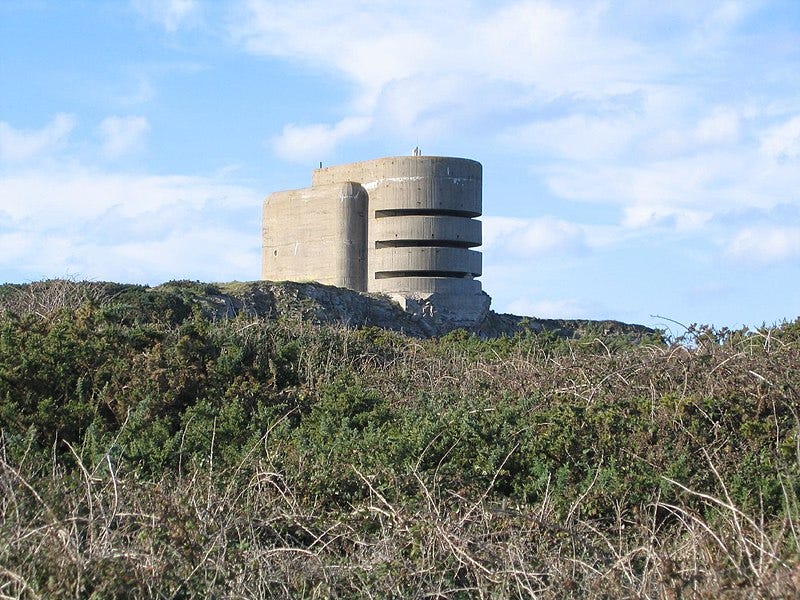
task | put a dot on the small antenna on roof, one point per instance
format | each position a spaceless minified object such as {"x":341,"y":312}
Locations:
{"x":417,"y":151}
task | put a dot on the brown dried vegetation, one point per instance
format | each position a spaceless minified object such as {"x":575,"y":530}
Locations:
{"x":148,"y":452}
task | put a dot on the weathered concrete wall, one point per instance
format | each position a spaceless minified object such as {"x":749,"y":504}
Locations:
{"x":432,"y":261}
{"x":316,"y":234}
{"x":458,"y":231}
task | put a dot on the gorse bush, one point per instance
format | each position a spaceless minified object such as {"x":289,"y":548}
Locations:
{"x":148,"y":451}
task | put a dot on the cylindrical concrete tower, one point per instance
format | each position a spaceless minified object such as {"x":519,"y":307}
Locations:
{"x":421,"y":223}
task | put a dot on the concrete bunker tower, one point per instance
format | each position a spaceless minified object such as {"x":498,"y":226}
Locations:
{"x":401,"y":226}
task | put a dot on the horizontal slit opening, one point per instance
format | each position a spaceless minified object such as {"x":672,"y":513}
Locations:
{"x":450,"y":274}
{"x":424,"y":212}
{"x":425,"y":244}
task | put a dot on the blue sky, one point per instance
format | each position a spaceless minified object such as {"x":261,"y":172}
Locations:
{"x":640,"y":158}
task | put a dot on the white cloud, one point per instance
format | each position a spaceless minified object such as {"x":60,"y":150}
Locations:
{"x":578,"y":137}
{"x":20,"y":145}
{"x":645,"y":126}
{"x":74,"y":195}
{"x":170,"y":14}
{"x":637,"y":117}
{"x":783,"y":141}
{"x":671,"y":134}
{"x":405,"y":59}
{"x":99,"y":225}
{"x":721,"y":127}
{"x":142,"y":90}
{"x":15,"y":246}
{"x":302,"y":143}
{"x":204,"y":252}
{"x":676,"y":178}
{"x":29,"y":255}
{"x":122,"y":134}
{"x":683,"y":192}
{"x":639,"y":216}
{"x":532,"y":237}
{"x":207,"y":253}
{"x":765,"y":244}
{"x":563,"y":308}
{"x":372,"y":46}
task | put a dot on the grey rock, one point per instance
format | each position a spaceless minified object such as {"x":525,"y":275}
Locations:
{"x":325,"y":304}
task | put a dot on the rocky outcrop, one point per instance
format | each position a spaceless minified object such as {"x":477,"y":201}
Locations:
{"x":325,"y":304}
{"x":312,"y":302}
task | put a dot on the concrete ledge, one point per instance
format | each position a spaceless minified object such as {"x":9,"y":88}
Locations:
{"x":466,"y":232}
{"x":425,"y":193}
{"x":424,"y":286}
{"x":400,"y":166}
{"x":455,"y":260}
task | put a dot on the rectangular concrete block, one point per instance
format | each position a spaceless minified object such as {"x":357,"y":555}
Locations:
{"x":316,"y":234}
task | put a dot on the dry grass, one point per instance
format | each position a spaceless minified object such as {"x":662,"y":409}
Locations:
{"x":259,"y":527}
{"x":101,"y":533}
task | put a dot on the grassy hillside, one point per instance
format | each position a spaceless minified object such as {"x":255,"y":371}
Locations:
{"x":149,"y":450}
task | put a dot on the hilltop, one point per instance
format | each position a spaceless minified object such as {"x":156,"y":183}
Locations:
{"x":312,"y":302}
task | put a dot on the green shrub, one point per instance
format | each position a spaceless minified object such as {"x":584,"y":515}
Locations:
{"x":329,"y":443}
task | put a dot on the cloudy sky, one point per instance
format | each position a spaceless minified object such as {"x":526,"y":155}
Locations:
{"x":641,"y":159}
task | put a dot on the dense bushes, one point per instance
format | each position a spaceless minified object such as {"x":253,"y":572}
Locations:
{"x":163,"y":452}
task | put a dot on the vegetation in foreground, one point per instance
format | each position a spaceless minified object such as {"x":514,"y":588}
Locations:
{"x":149,"y":452}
